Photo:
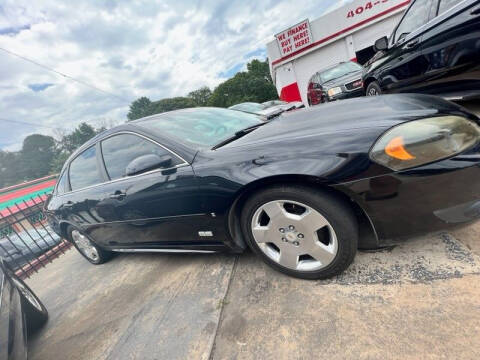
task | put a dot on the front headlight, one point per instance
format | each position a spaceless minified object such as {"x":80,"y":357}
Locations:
{"x":334,"y":91}
{"x":424,"y":141}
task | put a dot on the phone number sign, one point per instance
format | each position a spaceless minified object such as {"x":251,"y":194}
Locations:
{"x":364,"y":8}
{"x":294,"y":38}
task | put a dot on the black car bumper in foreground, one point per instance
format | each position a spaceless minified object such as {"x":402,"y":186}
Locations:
{"x":421,"y":200}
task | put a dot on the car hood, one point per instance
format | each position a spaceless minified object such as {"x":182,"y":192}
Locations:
{"x":346,"y":79}
{"x":350,"y":117}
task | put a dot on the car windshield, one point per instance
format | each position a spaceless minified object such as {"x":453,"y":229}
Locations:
{"x":200,"y":127}
{"x":249,"y":107}
{"x":339,"y":71}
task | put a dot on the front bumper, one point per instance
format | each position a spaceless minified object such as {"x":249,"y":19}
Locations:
{"x":348,"y":94}
{"x":420,"y":200}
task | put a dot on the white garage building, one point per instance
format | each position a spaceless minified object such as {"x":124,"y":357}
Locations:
{"x":347,"y":33}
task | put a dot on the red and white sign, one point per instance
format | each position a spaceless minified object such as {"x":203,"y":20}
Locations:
{"x":295,"y":38}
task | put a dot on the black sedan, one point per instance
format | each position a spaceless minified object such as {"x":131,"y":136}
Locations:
{"x":303,"y":191}
{"x":435,"y":49}
{"x":17,"y":303}
{"x":337,"y":82}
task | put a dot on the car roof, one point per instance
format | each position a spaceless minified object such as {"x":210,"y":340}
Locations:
{"x":182,"y":150}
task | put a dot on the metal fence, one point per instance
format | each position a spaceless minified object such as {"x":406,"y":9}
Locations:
{"x":26,"y":241}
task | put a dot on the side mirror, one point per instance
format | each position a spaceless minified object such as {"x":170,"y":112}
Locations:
{"x":148,"y":162}
{"x":381,"y":44}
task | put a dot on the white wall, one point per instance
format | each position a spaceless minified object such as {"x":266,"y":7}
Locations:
{"x":301,"y":67}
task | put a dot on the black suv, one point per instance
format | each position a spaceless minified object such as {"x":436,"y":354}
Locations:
{"x":340,"y":81}
{"x":435,"y":49}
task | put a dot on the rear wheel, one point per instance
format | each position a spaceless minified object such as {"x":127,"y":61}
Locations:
{"x":374,"y":89}
{"x":35,"y":311}
{"x":87,"y":248}
{"x":300,"y":231}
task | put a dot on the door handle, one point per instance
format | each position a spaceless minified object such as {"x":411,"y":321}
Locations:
{"x":411,"y":44}
{"x":118,"y":195}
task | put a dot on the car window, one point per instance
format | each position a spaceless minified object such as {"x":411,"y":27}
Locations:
{"x":119,"y":150}
{"x":200,"y":127}
{"x":339,"y":71}
{"x":446,"y":5}
{"x":416,"y":16}
{"x":61,"y":184}
{"x":84,"y":170}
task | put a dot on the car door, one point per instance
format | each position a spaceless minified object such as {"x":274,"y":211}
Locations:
{"x":404,"y":66}
{"x":158,"y":206}
{"x":12,"y":331}
{"x":452,"y":48}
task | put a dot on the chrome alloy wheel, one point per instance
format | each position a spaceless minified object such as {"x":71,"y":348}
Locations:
{"x":372,"y":92}
{"x":32,"y":299}
{"x":85,"y":246}
{"x":294,"y":235}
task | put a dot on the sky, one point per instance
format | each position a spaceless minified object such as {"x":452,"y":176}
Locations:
{"x":127,"y":49}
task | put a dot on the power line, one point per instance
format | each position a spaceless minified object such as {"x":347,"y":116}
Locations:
{"x":40,"y":125}
{"x":64,"y":75}
{"x":28,"y":123}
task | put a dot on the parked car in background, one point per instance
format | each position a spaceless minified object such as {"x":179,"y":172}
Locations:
{"x":269,"y":112}
{"x":340,"y":81}
{"x":288,"y":105}
{"x":21,"y":247}
{"x":297,"y":190}
{"x":21,"y":313}
{"x":435,"y":49}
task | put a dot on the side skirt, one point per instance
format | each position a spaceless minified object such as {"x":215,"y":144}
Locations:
{"x":164,"y":251}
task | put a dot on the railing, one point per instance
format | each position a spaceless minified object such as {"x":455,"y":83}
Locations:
{"x":26,"y":241}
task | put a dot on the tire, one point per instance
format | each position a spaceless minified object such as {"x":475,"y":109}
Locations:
{"x":35,"y":312}
{"x":373,"y":89}
{"x":87,"y":248}
{"x":304,"y":252}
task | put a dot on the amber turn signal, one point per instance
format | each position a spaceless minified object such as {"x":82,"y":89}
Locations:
{"x":396,"y":149}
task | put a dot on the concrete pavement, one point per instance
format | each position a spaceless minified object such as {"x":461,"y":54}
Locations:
{"x":419,"y":300}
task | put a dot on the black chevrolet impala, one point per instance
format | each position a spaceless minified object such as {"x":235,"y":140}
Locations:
{"x":303,"y":191}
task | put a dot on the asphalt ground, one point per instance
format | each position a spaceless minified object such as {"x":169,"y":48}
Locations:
{"x":418,"y":300}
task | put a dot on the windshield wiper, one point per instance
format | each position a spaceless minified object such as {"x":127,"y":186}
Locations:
{"x":237,"y":135}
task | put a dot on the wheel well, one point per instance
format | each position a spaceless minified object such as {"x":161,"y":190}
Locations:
{"x":368,"y":81}
{"x":367,"y":235}
{"x":63,"y":230}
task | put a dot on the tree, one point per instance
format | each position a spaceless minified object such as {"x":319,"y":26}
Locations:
{"x":260,"y":69}
{"x":201,"y":96}
{"x":254,"y":85}
{"x":139,"y":108}
{"x":58,"y":161}
{"x":77,"y":138}
{"x":10,"y":168}
{"x":170,"y":104}
{"x":37,"y":154}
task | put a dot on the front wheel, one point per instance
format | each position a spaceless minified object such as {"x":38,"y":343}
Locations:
{"x":87,"y":248}
{"x":35,"y":312}
{"x":373,"y":89}
{"x":300,"y":231}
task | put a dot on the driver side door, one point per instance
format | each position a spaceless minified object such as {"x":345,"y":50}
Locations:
{"x":158,"y":208}
{"x":405,"y":67}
